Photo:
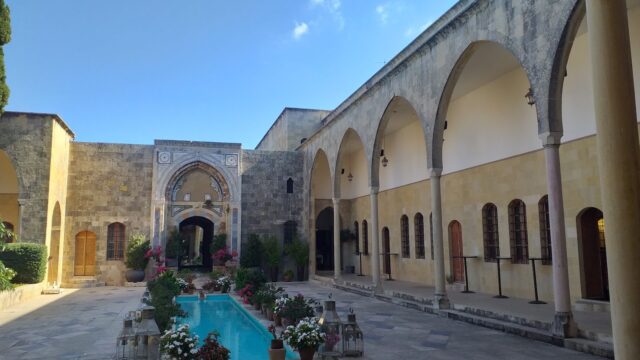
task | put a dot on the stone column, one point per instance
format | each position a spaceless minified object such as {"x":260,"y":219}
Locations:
{"x":619,"y":165}
{"x":312,"y":238}
{"x":21,"y":204}
{"x":336,"y":239}
{"x":441,"y":301}
{"x":563,"y":323}
{"x":375,"y":243}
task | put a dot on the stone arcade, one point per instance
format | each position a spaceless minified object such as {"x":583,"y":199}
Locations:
{"x":477,"y":139}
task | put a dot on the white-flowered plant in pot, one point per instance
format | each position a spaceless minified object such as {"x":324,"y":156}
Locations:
{"x":178,"y":344}
{"x":224,"y":283}
{"x":182,"y":283}
{"x":305,"y":337}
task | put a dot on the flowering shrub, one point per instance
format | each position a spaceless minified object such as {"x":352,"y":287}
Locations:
{"x":280,"y":305}
{"x":223,"y":255}
{"x":212,"y":349}
{"x":182,"y":283}
{"x":224,"y":283}
{"x":154,"y":253}
{"x":297,"y":308}
{"x":246,"y":293}
{"x":306,"y":334}
{"x":6,"y":274}
{"x":179,"y":344}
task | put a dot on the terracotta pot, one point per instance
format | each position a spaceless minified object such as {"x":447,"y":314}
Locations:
{"x":277,"y":344}
{"x":277,"y":354}
{"x":277,"y":320}
{"x":306,"y":353}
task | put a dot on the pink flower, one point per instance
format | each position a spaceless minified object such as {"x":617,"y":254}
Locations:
{"x":234,"y":253}
{"x":161,"y":269}
{"x":148,"y":254}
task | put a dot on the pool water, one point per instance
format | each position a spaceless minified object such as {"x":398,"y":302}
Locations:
{"x":239,"y":331}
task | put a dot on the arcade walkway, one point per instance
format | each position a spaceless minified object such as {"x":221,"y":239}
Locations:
{"x":512,"y":315}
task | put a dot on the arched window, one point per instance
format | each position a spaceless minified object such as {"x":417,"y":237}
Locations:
{"x":545,"y":230}
{"x":518,"y":232}
{"x":490,"y":232}
{"x":290,"y":230}
{"x":365,"y":238}
{"x":290,"y":186}
{"x":404,"y":236}
{"x":115,"y":241}
{"x":418,"y":224}
{"x":10,"y":232}
{"x":431,"y":232}
{"x":356,"y":233}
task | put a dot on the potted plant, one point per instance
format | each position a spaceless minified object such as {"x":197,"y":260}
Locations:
{"x":278,"y":309}
{"x":272,"y":255}
{"x":298,"y":251}
{"x":288,"y":276}
{"x":212,"y":349}
{"x":276,"y":351}
{"x":224,"y":283}
{"x":174,"y":344}
{"x":137,"y":258}
{"x":221,"y":256}
{"x":305,"y":337}
{"x":296,"y":309}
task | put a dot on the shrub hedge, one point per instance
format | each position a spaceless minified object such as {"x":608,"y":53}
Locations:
{"x":28,"y":260}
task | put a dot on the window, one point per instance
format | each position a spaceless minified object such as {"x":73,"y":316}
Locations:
{"x":9,"y":228}
{"x":290,"y":186}
{"x":431,"y":232}
{"x":545,"y":230}
{"x":518,"y":232}
{"x":365,"y":238}
{"x":418,"y":224}
{"x":404,"y":236}
{"x":357,"y":236}
{"x":290,"y":230}
{"x":115,"y":241}
{"x":490,"y":232}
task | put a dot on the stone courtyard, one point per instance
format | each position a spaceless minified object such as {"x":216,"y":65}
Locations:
{"x":84,"y":323}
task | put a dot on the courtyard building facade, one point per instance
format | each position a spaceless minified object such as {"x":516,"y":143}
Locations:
{"x":477,"y":140}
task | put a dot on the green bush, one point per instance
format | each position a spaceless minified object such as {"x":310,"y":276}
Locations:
{"x":254,"y":277}
{"x":271,"y":250}
{"x":6,"y":275}
{"x":252,"y":253}
{"x":163,"y":289}
{"x":298,"y":250}
{"x":174,"y":242}
{"x":219,"y":243}
{"x":28,"y":260}
{"x":136,"y":252}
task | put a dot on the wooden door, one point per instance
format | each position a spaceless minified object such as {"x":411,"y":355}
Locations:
{"x":85,"y":259}
{"x":386,"y":250}
{"x":594,"y":259}
{"x":455,"y":238}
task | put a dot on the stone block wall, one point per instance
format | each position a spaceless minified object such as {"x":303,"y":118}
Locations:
{"x":107,"y":183}
{"x":266,"y":205}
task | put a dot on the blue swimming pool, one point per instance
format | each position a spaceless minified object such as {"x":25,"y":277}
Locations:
{"x":239,"y":331}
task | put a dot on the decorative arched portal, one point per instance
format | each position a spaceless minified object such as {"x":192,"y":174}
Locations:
{"x":593,"y":254}
{"x":197,"y":196}
{"x":455,"y":243}
{"x":195,"y":246}
{"x":324,"y":240}
{"x":9,"y":208}
{"x":54,"y":245}
{"x":85,"y":254}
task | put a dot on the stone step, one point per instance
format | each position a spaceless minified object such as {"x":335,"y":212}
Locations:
{"x":78,"y":282}
{"x":592,"y":305}
{"x":595,"y":336}
{"x":590,"y":347}
{"x":514,"y":319}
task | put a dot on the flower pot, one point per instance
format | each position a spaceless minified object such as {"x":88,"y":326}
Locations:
{"x":306,"y":353}
{"x":269,"y":313}
{"x":277,"y":354}
{"x":134,"y":275}
{"x":274,"y":273}
{"x":277,"y":320}
{"x":300,"y":274}
{"x":277,"y":344}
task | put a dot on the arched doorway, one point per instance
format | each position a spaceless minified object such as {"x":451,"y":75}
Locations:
{"x":593,"y":255}
{"x":195,"y":249}
{"x":9,"y":209}
{"x":324,"y":240}
{"x":386,"y":251}
{"x":455,"y":241}
{"x":85,"y":259}
{"x":54,"y":245}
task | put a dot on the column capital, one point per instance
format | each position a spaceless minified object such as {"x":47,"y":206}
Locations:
{"x":373,"y":189}
{"x":22,"y":202}
{"x":550,"y":138}
{"x":435,"y":172}
{"x":336,"y":201}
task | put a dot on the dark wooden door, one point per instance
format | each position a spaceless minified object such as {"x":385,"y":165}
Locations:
{"x":386,"y":250}
{"x":455,"y":239}
{"x":594,"y":255}
{"x":85,"y":259}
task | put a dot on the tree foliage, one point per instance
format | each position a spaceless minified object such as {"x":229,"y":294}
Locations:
{"x":5,"y":37}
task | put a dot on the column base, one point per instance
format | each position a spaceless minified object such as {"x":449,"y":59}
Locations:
{"x":563,"y":325}
{"x":441,"y":302}
{"x":377,"y":289}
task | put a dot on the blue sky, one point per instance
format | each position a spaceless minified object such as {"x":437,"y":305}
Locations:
{"x":128,"y":71}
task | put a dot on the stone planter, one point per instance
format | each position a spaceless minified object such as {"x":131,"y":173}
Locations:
{"x":277,"y":351}
{"x":134,"y":275}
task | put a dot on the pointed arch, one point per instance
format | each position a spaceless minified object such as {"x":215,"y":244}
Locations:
{"x":321,"y":175}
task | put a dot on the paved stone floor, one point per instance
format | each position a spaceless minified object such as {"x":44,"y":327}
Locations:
{"x":395,"y":332}
{"x":77,"y":324}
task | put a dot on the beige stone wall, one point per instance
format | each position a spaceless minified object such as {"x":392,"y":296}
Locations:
{"x":107,"y":183}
